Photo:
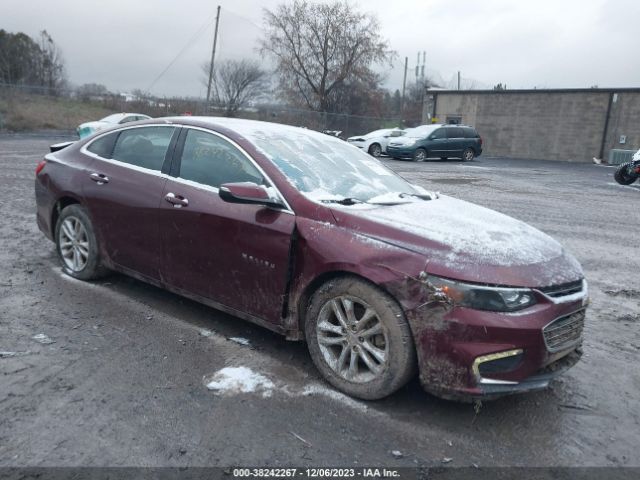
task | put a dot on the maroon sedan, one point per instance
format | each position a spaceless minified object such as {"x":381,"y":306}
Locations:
{"x":308,"y":236}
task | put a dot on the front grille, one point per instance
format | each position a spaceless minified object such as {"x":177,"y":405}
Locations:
{"x":562,"y":290}
{"x":564,"y":332}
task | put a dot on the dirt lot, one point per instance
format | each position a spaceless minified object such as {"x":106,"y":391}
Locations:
{"x":123,"y":382}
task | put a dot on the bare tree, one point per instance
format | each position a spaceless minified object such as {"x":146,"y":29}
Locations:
{"x":50,"y":69}
{"x":318,"y":47}
{"x":236,"y":83}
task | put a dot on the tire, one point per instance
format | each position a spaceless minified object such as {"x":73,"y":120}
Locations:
{"x":375,"y":150}
{"x":76,"y":244}
{"x":420,"y":155}
{"x":468,"y":154}
{"x":383,"y":340}
{"x":622,"y":175}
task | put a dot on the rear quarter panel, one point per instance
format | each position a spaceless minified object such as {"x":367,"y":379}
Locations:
{"x":62,"y":177}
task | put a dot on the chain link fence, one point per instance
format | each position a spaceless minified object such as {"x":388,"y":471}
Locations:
{"x":18,"y":103}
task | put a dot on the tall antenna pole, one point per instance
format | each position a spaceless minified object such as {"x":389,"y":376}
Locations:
{"x":213,"y":56}
{"x":404,"y":86}
{"x":458,"y":79}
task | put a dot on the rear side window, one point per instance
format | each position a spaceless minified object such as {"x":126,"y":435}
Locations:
{"x":143,"y":147}
{"x":470,"y":133}
{"x":455,"y":132}
{"x":103,"y":146}
{"x":211,"y":160}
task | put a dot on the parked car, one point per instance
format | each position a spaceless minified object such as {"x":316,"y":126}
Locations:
{"x":89,"y":128}
{"x":309,"y":237}
{"x":375,"y":143}
{"x":437,"y":141}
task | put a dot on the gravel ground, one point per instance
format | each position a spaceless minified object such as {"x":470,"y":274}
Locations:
{"x":123,"y":379}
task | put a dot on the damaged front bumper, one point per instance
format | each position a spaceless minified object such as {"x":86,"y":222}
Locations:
{"x":467,"y":354}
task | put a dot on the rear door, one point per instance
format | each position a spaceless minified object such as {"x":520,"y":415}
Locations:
{"x":123,"y":190}
{"x":234,"y":254}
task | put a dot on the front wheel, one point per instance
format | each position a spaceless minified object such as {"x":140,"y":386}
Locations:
{"x":76,"y":244}
{"x":623,"y":176}
{"x":420,"y":155}
{"x":375,"y":150}
{"x":468,"y":154}
{"x":359,"y":339}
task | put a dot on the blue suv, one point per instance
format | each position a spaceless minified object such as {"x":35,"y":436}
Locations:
{"x":437,"y":141}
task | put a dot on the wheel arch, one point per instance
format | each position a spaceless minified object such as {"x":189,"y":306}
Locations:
{"x":61,"y":203}
{"x":317,"y":282}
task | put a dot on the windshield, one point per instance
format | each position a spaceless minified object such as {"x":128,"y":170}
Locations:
{"x":329,"y":169}
{"x":421,"y":132}
{"x":115,"y":118}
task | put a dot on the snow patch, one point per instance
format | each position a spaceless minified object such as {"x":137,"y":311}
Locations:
{"x":43,"y":339}
{"x":241,"y":341}
{"x":234,"y":380}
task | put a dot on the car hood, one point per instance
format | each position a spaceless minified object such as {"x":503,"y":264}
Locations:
{"x":464,"y":241}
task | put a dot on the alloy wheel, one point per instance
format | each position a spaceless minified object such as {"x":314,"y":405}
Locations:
{"x":420,"y":155}
{"x":352,"y":339}
{"x":375,"y":150}
{"x":74,"y":244}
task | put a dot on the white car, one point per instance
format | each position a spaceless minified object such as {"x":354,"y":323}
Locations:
{"x":375,"y":143}
{"x":89,"y":128}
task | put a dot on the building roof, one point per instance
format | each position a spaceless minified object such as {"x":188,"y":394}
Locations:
{"x":538,"y":90}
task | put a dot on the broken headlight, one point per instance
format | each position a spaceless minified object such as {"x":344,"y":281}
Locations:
{"x":479,"y":297}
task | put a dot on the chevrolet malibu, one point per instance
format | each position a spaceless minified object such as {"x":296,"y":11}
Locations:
{"x":314,"y":239}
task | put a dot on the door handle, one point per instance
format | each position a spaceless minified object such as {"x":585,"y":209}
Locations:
{"x":178,"y":201}
{"x":99,"y":178}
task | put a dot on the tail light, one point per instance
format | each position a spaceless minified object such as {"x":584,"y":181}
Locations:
{"x":40,"y":166}
{"x":480,"y":141}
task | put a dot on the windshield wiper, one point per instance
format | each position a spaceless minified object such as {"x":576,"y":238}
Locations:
{"x":343,"y":201}
{"x":422,"y":196}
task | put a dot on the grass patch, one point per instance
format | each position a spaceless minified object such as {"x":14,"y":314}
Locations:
{"x":24,"y":112}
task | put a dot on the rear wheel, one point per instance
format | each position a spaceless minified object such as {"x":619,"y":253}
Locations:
{"x":420,"y":155}
{"x":359,"y":339}
{"x":76,"y":244}
{"x":622,"y":175}
{"x":468,"y":154}
{"x":375,"y":150}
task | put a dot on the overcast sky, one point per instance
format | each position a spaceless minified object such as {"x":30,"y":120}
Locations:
{"x":127,"y":44}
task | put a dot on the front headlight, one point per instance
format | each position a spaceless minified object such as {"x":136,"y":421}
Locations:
{"x":495,"y":299}
{"x":408,"y":143}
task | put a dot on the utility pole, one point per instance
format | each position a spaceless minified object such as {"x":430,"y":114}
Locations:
{"x":213,"y":56}
{"x":458,"y":79}
{"x":404,"y":86}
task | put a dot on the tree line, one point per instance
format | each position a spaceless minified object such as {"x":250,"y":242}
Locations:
{"x":326,"y":58}
{"x":31,"y":61}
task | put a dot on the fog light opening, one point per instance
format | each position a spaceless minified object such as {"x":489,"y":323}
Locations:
{"x":500,"y":362}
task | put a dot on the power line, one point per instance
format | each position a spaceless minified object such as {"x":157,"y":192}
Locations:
{"x":200,"y":31}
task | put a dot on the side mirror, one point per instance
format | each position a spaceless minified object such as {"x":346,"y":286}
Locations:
{"x":248,"y":192}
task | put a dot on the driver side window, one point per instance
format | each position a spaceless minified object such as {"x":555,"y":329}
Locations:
{"x":440,"y":133}
{"x":210,"y":160}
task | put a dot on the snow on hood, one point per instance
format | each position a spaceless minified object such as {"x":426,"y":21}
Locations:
{"x":470,"y":242}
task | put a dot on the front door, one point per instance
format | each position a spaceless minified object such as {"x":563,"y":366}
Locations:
{"x":438,"y":143}
{"x":123,"y":190}
{"x":234,"y":254}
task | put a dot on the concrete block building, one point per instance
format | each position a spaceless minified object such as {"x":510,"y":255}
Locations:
{"x":556,"y":124}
